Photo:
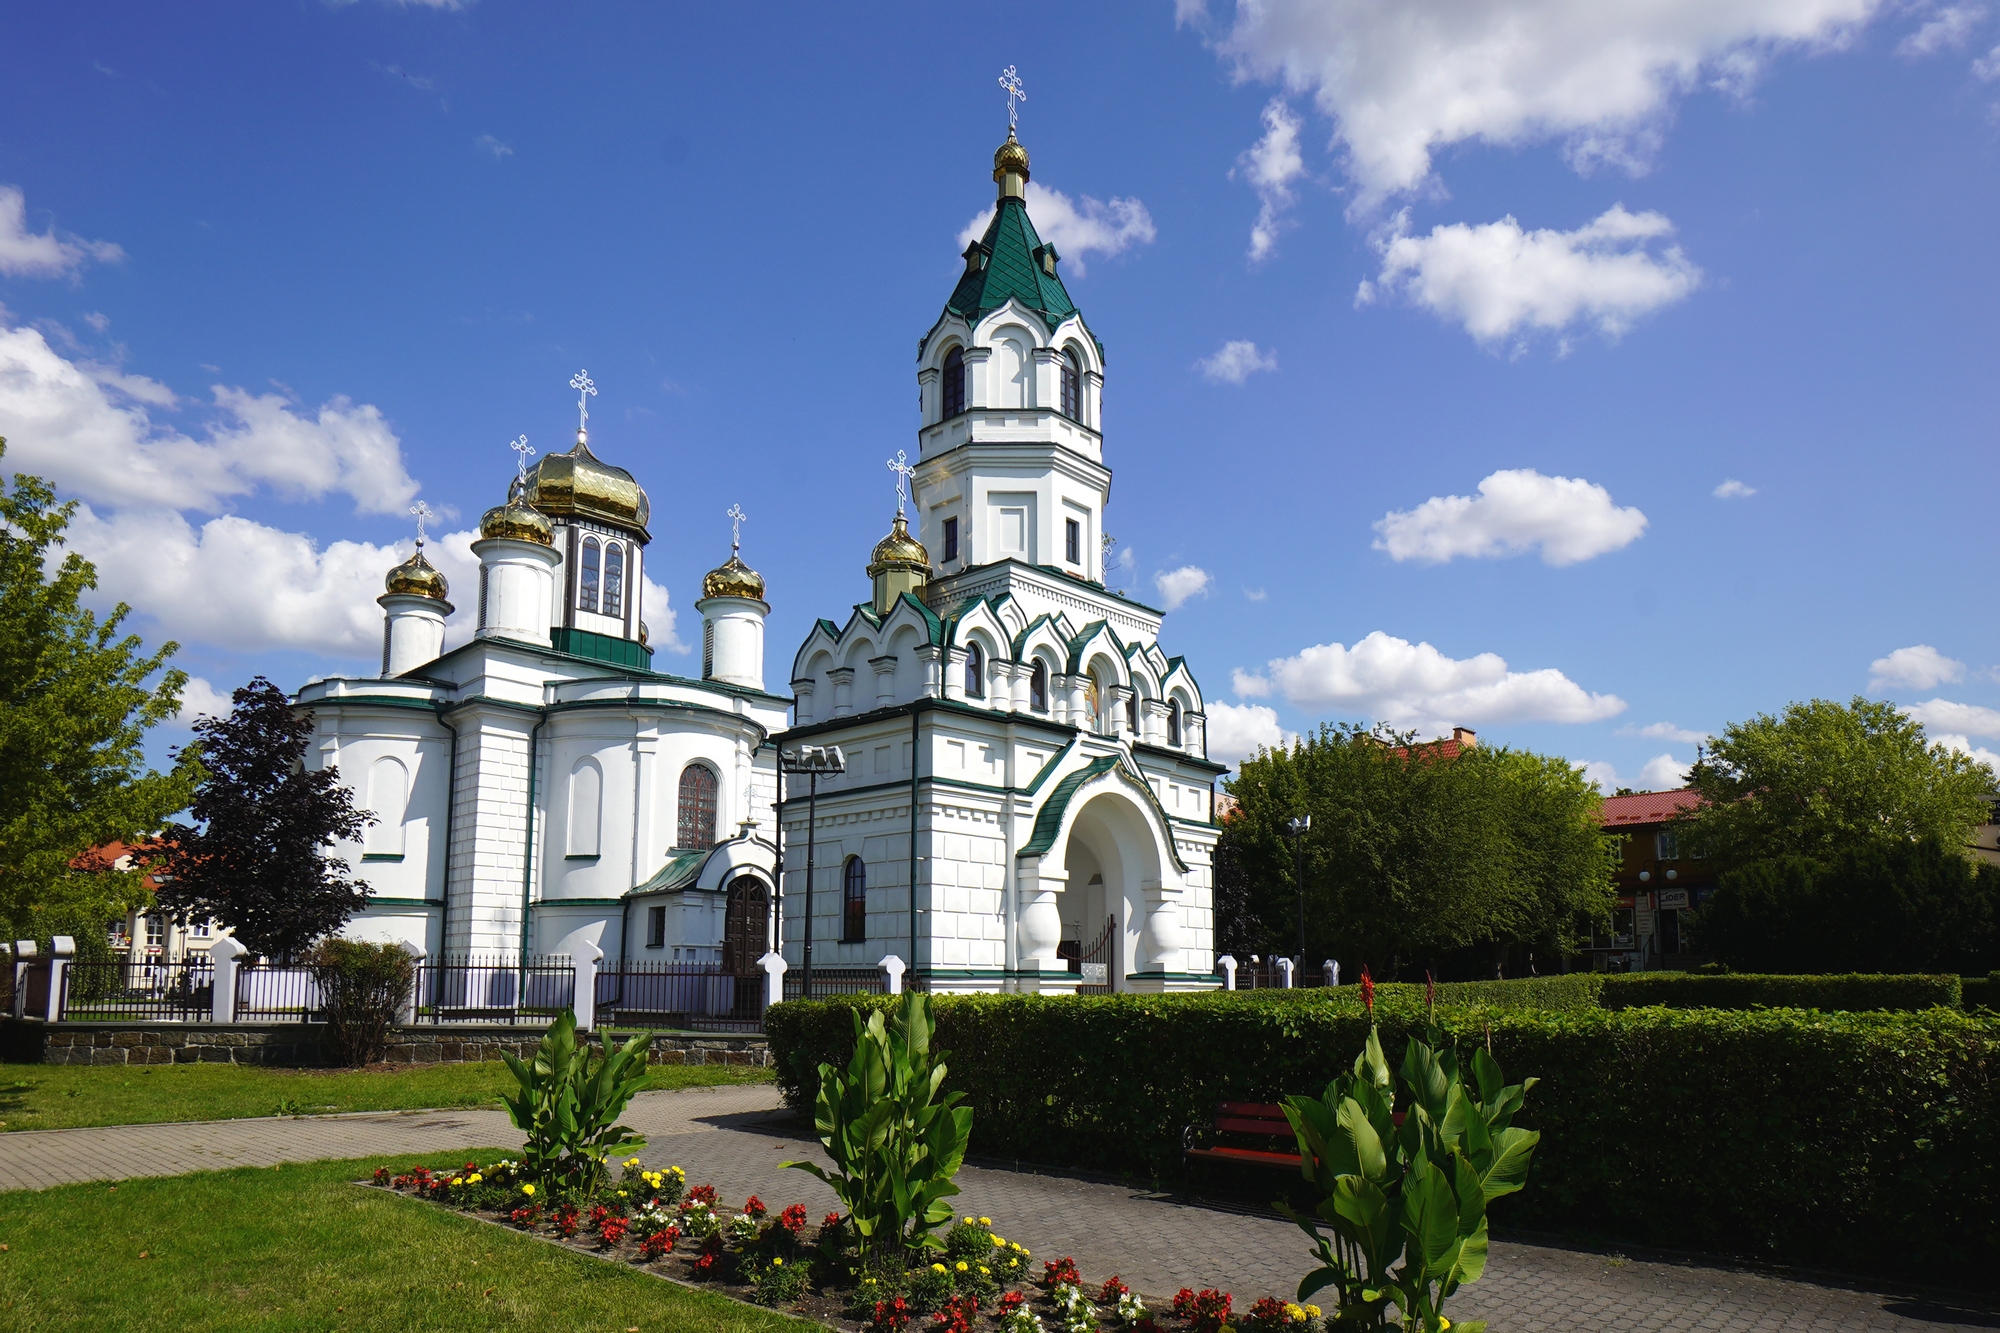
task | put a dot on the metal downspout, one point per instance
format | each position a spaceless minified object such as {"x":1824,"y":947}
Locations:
{"x":450,"y":810}
{"x":915,"y":745}
{"x":528,"y":852}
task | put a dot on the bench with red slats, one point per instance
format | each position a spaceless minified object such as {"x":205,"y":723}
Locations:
{"x":1254,"y":1120}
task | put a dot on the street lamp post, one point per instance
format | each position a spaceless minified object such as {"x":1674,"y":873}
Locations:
{"x":1297,"y":828}
{"x":812,"y":761}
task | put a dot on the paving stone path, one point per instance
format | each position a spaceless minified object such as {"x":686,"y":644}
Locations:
{"x":735,"y":1138}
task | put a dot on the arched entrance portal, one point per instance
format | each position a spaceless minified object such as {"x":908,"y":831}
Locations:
{"x":1112,"y":863}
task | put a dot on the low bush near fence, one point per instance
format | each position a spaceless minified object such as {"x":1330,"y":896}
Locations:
{"x":1868,"y":1142}
{"x":1853,"y":992}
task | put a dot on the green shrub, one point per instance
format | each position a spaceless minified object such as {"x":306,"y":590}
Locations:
{"x":1854,"y":992}
{"x":1838,"y":1140}
{"x":1982,"y":993}
{"x":362,"y":988}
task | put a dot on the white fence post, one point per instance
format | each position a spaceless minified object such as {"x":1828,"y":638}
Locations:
{"x":24,"y":958}
{"x":406,"y":1012}
{"x":774,"y":967}
{"x":62,"y":950}
{"x":1228,"y":966}
{"x":893,"y":968}
{"x":225,"y":954}
{"x":1285,"y":973}
{"x":1331,"y":970}
{"x":584,"y":1002}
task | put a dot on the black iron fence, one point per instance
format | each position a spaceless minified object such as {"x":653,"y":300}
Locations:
{"x":693,"y":997}
{"x":178,"y":991}
{"x":1262,"y":973}
{"x":829,"y":981}
{"x":277,"y":993}
{"x":494,"y":988}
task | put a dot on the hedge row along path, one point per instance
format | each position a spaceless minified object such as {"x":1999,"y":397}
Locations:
{"x":735,"y":1137}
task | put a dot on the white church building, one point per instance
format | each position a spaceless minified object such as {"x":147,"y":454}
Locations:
{"x":1027,"y":802}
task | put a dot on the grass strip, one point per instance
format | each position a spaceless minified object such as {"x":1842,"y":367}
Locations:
{"x":298,"y":1247}
{"x":76,"y":1096}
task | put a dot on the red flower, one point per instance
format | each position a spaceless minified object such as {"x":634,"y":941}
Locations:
{"x":525,"y":1216}
{"x":793,"y":1219}
{"x":612,"y":1230}
{"x":564,"y":1220}
{"x":1205,"y":1311}
{"x":702,"y":1194}
{"x":1011,"y":1302}
{"x":957,"y":1315}
{"x":830,"y":1221}
{"x":755,"y":1208}
{"x":381,"y":1174}
{"x":1268,"y":1314}
{"x":659,"y":1244}
{"x":1062,"y":1270}
{"x":1367,"y":991}
{"x":890,"y":1316}
{"x":598,"y":1212}
{"x":1112,"y":1289}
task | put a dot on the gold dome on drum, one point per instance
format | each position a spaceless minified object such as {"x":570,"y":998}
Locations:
{"x":417,"y":577}
{"x":579,"y":483}
{"x":517,"y":521}
{"x":899,"y":550}
{"x":1010,"y":156}
{"x":733,"y":579}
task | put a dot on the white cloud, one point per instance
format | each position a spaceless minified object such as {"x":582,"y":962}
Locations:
{"x":98,"y":320}
{"x":1236,"y":361}
{"x":1965,"y":746}
{"x":1663,"y":772}
{"x":1392,"y":680}
{"x":1176,"y":586}
{"x":1733,"y":489}
{"x":1600,"y":774}
{"x":1237,"y":731}
{"x":486,"y":143}
{"x":1987,"y":67}
{"x":1497,"y":279}
{"x":657,"y":610}
{"x":1401,"y":79}
{"x":1271,"y":165}
{"x":1918,"y":667}
{"x":1516,"y":510}
{"x":86,"y":428}
{"x":27,"y":254}
{"x":1667,"y":731}
{"x":1946,"y":29}
{"x":201,"y":699}
{"x":1942,"y":715}
{"x":1256,"y":594}
{"x":1077,"y":227}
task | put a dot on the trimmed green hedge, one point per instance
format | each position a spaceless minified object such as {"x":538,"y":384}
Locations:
{"x":1982,"y":992}
{"x":1852,"y":993}
{"x":1852,"y":1141}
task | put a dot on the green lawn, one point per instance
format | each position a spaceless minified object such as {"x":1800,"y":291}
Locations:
{"x":301,"y":1248}
{"x":69,"y":1096}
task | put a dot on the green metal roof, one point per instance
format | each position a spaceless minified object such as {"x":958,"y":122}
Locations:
{"x":1012,"y":270}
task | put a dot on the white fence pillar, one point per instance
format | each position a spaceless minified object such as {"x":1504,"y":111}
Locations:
{"x":24,"y":958}
{"x":893,"y":968}
{"x":226,"y":953}
{"x":1228,"y":966}
{"x":62,"y":949}
{"x":586,"y":956}
{"x":1331,"y":971}
{"x":406,"y":1012}
{"x":774,"y":967}
{"x":1285,"y":973}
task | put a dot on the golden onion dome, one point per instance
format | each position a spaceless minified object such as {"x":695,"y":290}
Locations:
{"x":1010,"y":156}
{"x":581,"y":484}
{"x":417,"y":577}
{"x":733,"y":579}
{"x":517,"y":521}
{"x":899,"y":550}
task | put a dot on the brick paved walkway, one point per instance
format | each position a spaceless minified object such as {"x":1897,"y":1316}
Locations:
{"x":735,"y":1138}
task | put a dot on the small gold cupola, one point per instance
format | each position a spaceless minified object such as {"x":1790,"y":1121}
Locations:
{"x":417,"y":577}
{"x":900,"y":564}
{"x":1010,"y":167}
{"x":517,"y":520}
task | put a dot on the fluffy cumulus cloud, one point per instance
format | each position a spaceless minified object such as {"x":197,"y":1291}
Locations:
{"x":657,"y":610}
{"x":1601,"y":774}
{"x":1667,"y":731}
{"x":1077,"y":227}
{"x":1235,"y":361}
{"x":1944,"y":30}
{"x":1238,"y":731}
{"x":1918,"y":667}
{"x":1401,"y":79}
{"x":1663,"y":772}
{"x":1272,"y":166}
{"x":1517,"y":510}
{"x":1414,"y":685}
{"x":1732,"y":489}
{"x":1501,"y":281}
{"x":201,"y":699}
{"x":1944,"y":716}
{"x":48,"y":254}
{"x":1176,"y":586}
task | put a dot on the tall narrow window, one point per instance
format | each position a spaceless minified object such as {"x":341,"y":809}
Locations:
{"x":1132,"y":712}
{"x":1073,"y":541}
{"x":950,"y":540}
{"x":614,"y":579}
{"x":1038,"y":687}
{"x":954,"y":382}
{"x":586,"y":808}
{"x":586,"y":584}
{"x":1173,"y":721}
{"x":854,"y":902}
{"x":656,"y":927}
{"x":975,"y":672}
{"x":1072,"y":386}
{"x":697,"y":821}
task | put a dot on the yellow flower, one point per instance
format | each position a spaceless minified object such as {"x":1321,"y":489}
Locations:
{"x":984,"y":1269}
{"x":777,"y":1263}
{"x":961,"y":1266}
{"x":937,"y":1268}
{"x":528,"y":1190}
{"x":1295,"y":1313}
{"x":621,"y":1194}
{"x":1443,"y":1323}
{"x":986,"y":1221}
{"x":967,"y":1221}
{"x":1312,"y":1312}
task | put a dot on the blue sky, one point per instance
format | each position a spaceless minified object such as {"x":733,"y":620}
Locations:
{"x":1431,"y":345}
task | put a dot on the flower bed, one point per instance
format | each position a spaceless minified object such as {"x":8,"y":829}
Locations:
{"x":978,"y":1282}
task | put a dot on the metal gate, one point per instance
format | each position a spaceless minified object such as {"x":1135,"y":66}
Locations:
{"x":1093,"y":962}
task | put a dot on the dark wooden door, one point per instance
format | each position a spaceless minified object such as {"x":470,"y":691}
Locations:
{"x":746,"y":926}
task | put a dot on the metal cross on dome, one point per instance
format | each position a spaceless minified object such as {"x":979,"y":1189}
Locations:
{"x":735,"y":517}
{"x":1011,"y":81}
{"x":900,"y":465}
{"x":585,"y":391}
{"x":521,"y":448}
{"x":422,"y":512}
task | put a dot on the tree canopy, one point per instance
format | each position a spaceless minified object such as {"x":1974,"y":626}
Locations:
{"x":75,"y":707}
{"x":1827,"y":778}
{"x":258,"y":862}
{"x":1417,"y":856}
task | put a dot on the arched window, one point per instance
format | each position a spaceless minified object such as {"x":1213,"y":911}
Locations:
{"x":697,"y":821}
{"x":586,"y":808}
{"x":1173,"y":721}
{"x":954,"y":382}
{"x":975,"y":672}
{"x":586,"y":584}
{"x":388,"y":798}
{"x":1132,"y":712}
{"x":614,"y":579}
{"x":854,"y":902}
{"x":1072,"y":386}
{"x":1038,"y":687}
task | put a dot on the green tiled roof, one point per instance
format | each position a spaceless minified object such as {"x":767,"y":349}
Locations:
{"x":1013,"y":269}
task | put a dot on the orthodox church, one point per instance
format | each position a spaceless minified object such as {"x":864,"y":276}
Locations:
{"x":1026,"y":802}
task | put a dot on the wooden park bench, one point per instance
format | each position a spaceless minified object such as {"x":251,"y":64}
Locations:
{"x":1263,"y":1124}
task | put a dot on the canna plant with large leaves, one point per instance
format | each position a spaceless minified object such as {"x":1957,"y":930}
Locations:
{"x":1407,"y":1164}
{"x":894,"y":1142}
{"x":569,"y":1102}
